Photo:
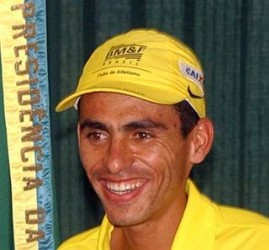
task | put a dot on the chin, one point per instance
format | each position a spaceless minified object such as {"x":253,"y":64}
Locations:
{"x":125,"y":219}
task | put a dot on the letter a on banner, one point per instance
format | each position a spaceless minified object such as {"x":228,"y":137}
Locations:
{"x":26,"y":114}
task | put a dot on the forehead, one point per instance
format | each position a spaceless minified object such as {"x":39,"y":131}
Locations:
{"x":104,"y":105}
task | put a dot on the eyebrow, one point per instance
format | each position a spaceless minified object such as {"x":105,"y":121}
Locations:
{"x":143,"y":124}
{"x":133,"y":125}
{"x":93,"y":124}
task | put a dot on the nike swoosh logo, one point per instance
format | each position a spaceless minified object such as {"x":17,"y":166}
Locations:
{"x":193,"y":95}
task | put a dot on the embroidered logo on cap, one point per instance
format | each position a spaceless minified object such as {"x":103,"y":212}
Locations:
{"x":125,"y":52}
{"x":193,"y":95}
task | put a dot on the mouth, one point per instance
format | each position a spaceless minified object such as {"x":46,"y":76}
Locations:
{"x":122,"y":188}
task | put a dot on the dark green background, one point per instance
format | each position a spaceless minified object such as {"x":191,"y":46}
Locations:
{"x":232,"y":40}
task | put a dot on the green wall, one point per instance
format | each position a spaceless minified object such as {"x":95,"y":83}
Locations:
{"x":6,"y":229}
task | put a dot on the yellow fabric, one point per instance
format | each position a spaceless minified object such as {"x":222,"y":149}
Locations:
{"x":147,"y":64}
{"x":22,"y":201}
{"x":205,"y":226}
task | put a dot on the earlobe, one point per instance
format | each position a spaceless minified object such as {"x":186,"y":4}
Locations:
{"x":201,"y":140}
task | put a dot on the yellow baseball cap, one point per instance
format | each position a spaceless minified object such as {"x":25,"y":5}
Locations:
{"x":143,"y":63}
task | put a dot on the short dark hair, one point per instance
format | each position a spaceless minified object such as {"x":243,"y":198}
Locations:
{"x":188,"y":117}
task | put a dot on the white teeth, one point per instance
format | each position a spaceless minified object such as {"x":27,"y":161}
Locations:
{"x":122,"y":188}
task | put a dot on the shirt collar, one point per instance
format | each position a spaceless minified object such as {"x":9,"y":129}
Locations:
{"x":198,"y":225}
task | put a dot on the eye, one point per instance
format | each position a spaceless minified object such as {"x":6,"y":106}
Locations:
{"x":142,"y":135}
{"x":96,"y":137}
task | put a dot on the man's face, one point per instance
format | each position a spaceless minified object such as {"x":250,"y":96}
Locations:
{"x":135,"y":157}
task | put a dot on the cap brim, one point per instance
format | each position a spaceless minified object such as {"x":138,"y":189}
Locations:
{"x":146,"y":92}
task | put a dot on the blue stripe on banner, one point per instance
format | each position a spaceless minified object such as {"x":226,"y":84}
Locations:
{"x":42,"y":122}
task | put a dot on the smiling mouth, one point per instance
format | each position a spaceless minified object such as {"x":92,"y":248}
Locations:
{"x":123,"y":188}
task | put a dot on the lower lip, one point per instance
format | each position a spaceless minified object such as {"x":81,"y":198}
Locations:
{"x":123,"y":198}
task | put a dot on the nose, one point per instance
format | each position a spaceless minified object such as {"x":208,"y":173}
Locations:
{"x":118,"y":156}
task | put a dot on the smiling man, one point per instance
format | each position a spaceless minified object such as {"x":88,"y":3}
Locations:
{"x":142,"y":126}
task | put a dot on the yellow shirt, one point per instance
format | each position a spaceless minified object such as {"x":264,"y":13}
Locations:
{"x":205,"y":226}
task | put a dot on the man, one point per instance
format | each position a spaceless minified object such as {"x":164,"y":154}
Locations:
{"x":142,"y":126}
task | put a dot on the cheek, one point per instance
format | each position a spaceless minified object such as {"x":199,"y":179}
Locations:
{"x":89,"y":157}
{"x":170,"y":159}
{"x":162,"y":157}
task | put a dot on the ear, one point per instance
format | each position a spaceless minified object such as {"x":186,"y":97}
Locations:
{"x":201,"y":140}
